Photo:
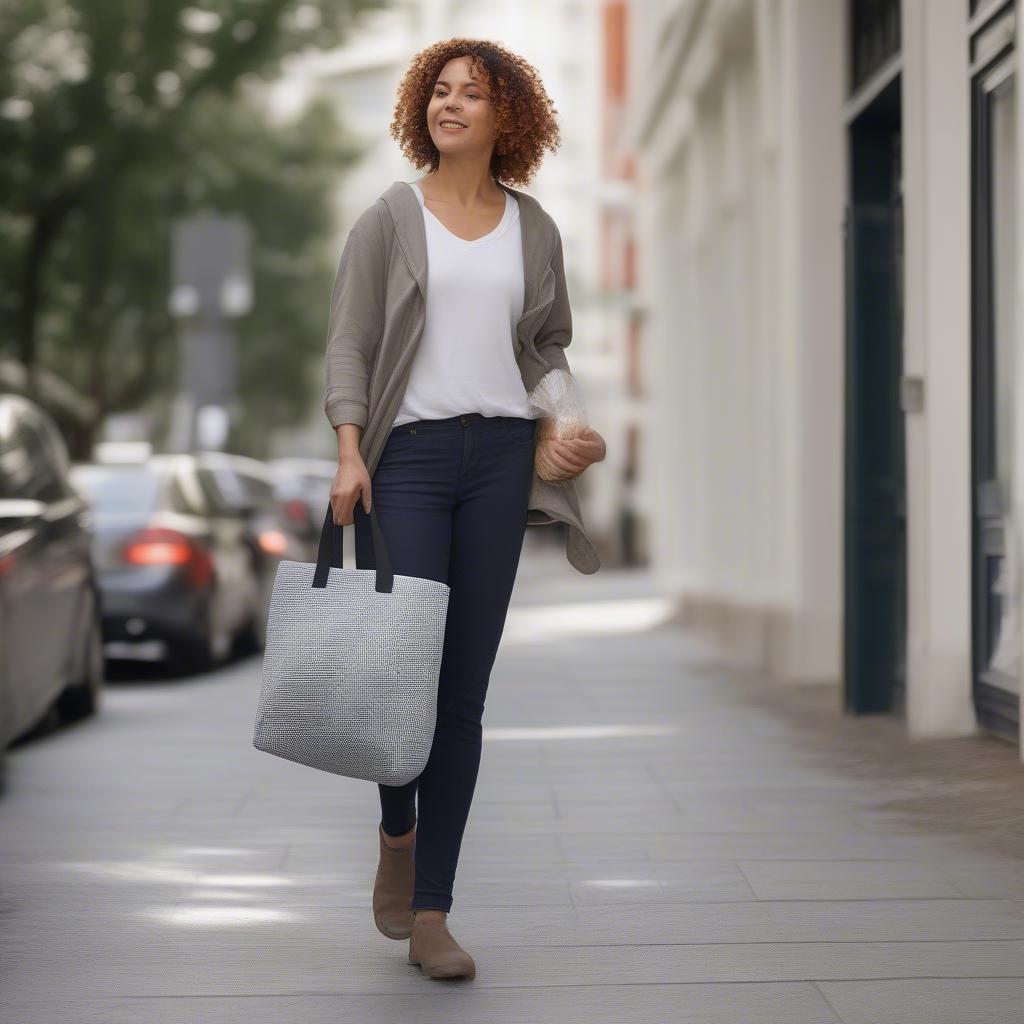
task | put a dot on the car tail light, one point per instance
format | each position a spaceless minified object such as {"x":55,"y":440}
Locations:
{"x":296,"y":510}
{"x":273,"y":542}
{"x":160,"y":546}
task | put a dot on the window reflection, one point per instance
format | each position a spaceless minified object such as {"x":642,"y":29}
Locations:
{"x":1004,"y":573}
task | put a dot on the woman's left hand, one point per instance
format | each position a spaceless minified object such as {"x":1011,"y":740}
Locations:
{"x":560,"y":459}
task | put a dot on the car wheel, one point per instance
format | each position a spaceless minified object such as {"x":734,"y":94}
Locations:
{"x":82,"y":697}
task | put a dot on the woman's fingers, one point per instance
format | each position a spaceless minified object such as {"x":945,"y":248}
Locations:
{"x":578,"y":452}
{"x":547,"y":468}
{"x":563,"y":458}
{"x":588,"y":448}
{"x":593,"y":437}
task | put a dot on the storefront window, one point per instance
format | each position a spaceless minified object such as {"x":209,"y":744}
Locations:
{"x":1004,"y":655}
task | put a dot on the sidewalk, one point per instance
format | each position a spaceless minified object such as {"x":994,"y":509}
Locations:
{"x":651,"y":840}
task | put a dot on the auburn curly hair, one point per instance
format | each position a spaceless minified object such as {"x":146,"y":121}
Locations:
{"x":525,"y":123}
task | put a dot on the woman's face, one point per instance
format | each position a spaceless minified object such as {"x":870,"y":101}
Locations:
{"x":461,"y":97}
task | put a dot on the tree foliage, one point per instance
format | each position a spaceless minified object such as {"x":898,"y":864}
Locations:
{"x":116,"y":117}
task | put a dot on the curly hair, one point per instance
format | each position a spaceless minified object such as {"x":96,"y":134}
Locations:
{"x":525,"y":123}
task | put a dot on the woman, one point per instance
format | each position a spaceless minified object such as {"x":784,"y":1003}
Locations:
{"x":427,"y":382}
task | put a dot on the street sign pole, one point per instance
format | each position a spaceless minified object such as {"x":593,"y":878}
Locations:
{"x":211,"y":288}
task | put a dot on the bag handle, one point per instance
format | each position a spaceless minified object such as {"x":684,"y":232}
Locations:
{"x":330,"y":551}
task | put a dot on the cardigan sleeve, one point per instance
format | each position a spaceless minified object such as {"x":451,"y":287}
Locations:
{"x":555,"y":334}
{"x":356,"y":321}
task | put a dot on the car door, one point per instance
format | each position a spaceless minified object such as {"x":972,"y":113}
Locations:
{"x":236,"y":578}
{"x":68,"y":520}
{"x":45,"y":569}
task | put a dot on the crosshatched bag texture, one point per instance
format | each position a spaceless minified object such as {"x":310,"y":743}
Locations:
{"x":351,"y":667}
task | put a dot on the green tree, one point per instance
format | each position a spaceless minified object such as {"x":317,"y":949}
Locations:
{"x":117,"y":116}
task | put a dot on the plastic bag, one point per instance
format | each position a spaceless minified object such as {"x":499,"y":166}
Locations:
{"x":557,"y":397}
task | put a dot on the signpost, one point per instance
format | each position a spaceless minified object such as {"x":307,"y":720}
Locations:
{"x":210,"y":287}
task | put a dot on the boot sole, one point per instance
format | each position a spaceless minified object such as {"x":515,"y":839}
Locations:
{"x":455,"y":973}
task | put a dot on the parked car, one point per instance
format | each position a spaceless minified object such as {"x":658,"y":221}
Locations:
{"x":304,"y":486}
{"x":175,"y":569}
{"x":246,"y":487}
{"x":51,"y":650}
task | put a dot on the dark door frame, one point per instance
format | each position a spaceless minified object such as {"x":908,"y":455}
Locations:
{"x":874,"y":504}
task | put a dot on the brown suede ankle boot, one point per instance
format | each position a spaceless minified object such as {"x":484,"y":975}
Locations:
{"x":434,"y":948}
{"x":392,"y":888}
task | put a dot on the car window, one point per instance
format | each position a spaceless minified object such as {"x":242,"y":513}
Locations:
{"x":230,"y":490}
{"x":186,"y":493}
{"x":55,"y":448}
{"x":221,"y":488}
{"x":119,"y":490}
{"x":259,"y":491}
{"x":27,"y":467}
{"x":15,"y":464}
{"x":176,"y":499}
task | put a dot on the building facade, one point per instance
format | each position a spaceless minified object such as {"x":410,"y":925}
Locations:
{"x":828,"y":238}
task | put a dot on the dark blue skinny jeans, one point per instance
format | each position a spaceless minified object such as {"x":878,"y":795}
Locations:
{"x":451,"y":498}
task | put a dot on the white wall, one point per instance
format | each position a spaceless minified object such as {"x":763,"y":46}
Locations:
{"x":743,"y":155}
{"x":813,"y":160}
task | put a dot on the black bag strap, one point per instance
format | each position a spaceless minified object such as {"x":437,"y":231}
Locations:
{"x":330,"y":551}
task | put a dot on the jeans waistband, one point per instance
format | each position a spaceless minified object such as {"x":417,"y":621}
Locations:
{"x":453,"y":422}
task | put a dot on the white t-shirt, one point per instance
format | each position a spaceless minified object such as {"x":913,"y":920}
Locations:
{"x":465,"y":361}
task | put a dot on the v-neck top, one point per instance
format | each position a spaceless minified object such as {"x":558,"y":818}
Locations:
{"x":465,"y":361}
{"x":511,"y":210}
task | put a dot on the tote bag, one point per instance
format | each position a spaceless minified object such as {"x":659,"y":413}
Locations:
{"x":351,"y":664}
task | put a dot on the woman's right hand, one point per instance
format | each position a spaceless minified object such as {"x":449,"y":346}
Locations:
{"x":351,"y":484}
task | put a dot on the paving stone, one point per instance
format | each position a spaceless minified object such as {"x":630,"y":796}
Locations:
{"x":444,"y":1002}
{"x":928,"y":1001}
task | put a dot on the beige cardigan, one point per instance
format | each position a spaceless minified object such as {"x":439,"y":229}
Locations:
{"x":377,"y":315}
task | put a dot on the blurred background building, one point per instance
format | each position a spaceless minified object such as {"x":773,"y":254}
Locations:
{"x":829,"y":259}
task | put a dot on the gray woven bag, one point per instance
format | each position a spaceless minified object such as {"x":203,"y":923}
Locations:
{"x":351,"y":664}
